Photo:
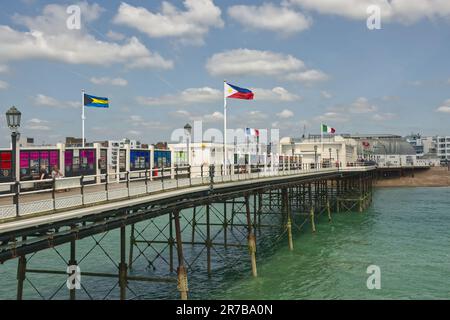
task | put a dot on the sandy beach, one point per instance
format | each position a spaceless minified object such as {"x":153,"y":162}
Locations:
{"x":434,"y":177}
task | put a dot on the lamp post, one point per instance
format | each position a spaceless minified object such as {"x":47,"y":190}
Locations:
{"x":315,"y":157}
{"x":13,"y":117}
{"x":188,"y":131}
{"x":338,"y":159}
{"x":329,"y":150}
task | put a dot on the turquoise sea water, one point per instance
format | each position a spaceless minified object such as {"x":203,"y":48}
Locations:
{"x":406,"y":233}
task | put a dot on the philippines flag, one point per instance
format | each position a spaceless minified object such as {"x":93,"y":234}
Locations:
{"x":235,"y":92}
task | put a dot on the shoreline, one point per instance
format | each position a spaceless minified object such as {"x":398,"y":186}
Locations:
{"x":435,"y":177}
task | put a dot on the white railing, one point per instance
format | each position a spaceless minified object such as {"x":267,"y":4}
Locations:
{"x":39,"y":196}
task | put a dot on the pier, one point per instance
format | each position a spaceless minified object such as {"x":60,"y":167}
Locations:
{"x":193,"y":215}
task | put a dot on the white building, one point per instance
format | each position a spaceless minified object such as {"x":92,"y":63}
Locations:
{"x":443,"y":147}
{"x":314,"y":149}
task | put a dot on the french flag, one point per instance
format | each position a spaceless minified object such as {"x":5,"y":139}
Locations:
{"x":235,"y":92}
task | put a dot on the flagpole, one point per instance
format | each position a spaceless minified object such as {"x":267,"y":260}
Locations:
{"x":82,"y":117}
{"x":321,"y":140}
{"x":225,"y":158}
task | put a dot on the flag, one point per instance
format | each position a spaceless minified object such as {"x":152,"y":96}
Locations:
{"x":327,"y":129}
{"x":252,"y":132}
{"x":95,"y":102}
{"x":235,"y":92}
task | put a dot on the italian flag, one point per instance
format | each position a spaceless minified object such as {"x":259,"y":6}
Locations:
{"x":327,"y":129}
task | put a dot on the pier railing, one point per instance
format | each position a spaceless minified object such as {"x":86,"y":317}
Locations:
{"x":45,"y":196}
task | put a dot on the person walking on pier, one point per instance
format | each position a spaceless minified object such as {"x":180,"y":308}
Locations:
{"x":56,"y":173}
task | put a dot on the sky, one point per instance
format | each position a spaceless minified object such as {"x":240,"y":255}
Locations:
{"x":162,"y":64}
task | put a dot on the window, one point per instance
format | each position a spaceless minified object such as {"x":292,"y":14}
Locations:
{"x":181,"y":157}
{"x":31,"y":162}
{"x":80,"y":162}
{"x":162,"y":159}
{"x":122,"y":160}
{"x":139,"y":160}
{"x":5,"y":166}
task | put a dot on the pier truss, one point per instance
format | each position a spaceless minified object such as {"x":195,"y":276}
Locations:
{"x":163,"y":249}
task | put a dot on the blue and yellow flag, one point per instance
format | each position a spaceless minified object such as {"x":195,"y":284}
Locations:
{"x":95,"y":102}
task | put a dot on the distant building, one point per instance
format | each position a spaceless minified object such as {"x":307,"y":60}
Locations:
{"x":161,"y":146}
{"x":386,"y":149}
{"x":25,"y":142}
{"x":422,"y":145}
{"x":74,"y":142}
{"x":443,"y":148}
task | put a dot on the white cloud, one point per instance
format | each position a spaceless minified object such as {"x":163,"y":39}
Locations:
{"x":190,"y":25}
{"x":252,"y":62}
{"x":404,"y":11}
{"x":308,"y":77}
{"x":207,"y":118}
{"x":47,"y":37}
{"x":139,"y":123}
{"x":213,"y":117}
{"x":445,"y":107}
{"x":46,"y":101}
{"x":416,"y":83}
{"x":3,"y":85}
{"x":275,"y":94}
{"x":209,"y":95}
{"x":36,"y":124}
{"x":134,"y":133}
{"x":332,"y":117}
{"x":116,"y":36}
{"x":362,"y":105}
{"x":383,"y":116}
{"x":280,"y":19}
{"x":109,"y":81}
{"x":256,"y":115}
{"x":285,"y":114}
{"x":4,"y":68}
{"x":326,"y":95}
{"x":244,"y":62}
{"x":188,"y":96}
{"x":390,"y":98}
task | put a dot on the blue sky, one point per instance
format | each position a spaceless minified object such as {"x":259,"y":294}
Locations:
{"x":163,"y":64}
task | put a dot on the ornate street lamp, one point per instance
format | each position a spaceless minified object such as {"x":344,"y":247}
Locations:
{"x":13,"y":117}
{"x":188,"y":131}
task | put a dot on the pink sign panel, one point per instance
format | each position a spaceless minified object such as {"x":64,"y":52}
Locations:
{"x":34,"y":155}
{"x":54,"y":158}
{"x":24,"y":156}
{"x":68,"y":158}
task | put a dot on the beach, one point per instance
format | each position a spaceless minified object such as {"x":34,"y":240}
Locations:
{"x":433,"y":177}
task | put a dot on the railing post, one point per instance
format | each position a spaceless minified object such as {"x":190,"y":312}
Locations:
{"x":128,"y":183}
{"x":146,"y":180}
{"x":176,"y":175}
{"x":82,"y":189}
{"x":16,"y":197}
{"x":107,"y":185}
{"x":211,"y":177}
{"x":190,"y":174}
{"x":54,"y":192}
{"x":162,"y":176}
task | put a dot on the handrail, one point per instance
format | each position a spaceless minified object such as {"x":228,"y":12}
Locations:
{"x":117,"y":186}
